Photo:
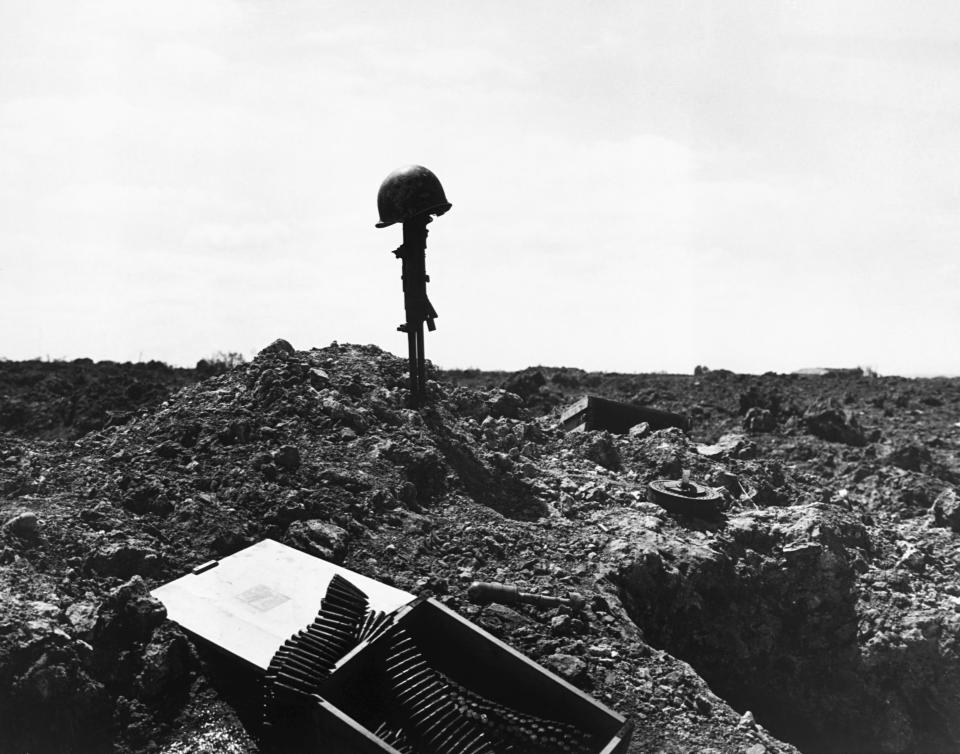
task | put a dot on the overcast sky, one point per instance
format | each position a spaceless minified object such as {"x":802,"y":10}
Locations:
{"x":635,"y":186}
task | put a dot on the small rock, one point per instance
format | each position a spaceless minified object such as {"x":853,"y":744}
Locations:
{"x":82,"y":616}
{"x":146,"y":498}
{"x":320,"y":538}
{"x":747,"y":722}
{"x":166,"y":661}
{"x":911,"y":457}
{"x":235,"y":432}
{"x":24,"y":524}
{"x":759,"y":420}
{"x":730,"y":445}
{"x":260,"y":460}
{"x":831,"y":422}
{"x":756,"y":749}
{"x":44,"y":609}
{"x":504,"y":404}
{"x":500,"y":620}
{"x":189,"y":434}
{"x":128,"y":615}
{"x":167,"y":450}
{"x":803,"y":550}
{"x":123,"y":560}
{"x":407,"y":492}
{"x":525,"y":384}
{"x":319,"y":379}
{"x":278,"y":347}
{"x":914,"y":560}
{"x":229,"y":542}
{"x":946,"y":509}
{"x":640,"y":430}
{"x":568,"y":667}
{"x":560,"y":625}
{"x":287,"y":457}
{"x":603,"y":452}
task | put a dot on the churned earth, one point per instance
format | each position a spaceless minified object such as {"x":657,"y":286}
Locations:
{"x":60,"y":399}
{"x":822,"y":609}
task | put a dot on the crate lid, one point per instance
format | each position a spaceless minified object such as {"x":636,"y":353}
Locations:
{"x":250,"y":602}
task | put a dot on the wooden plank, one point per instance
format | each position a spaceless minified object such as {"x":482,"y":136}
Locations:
{"x":255,"y":599}
{"x":338,"y":733}
{"x":574,"y":409}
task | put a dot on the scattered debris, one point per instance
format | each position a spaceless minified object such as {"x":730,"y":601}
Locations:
{"x":730,"y":446}
{"x":740,"y":490}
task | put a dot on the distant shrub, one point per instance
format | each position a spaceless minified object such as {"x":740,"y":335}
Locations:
{"x":220,"y":362}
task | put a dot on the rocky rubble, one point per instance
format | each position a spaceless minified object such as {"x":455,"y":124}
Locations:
{"x":823,"y":609}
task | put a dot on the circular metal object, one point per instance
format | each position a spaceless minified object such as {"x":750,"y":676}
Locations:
{"x":689,"y":498}
{"x":408,"y":192}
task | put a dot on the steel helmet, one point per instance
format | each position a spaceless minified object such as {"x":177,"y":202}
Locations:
{"x":408,"y":192}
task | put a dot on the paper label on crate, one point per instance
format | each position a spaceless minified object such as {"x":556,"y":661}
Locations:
{"x":262,"y":597}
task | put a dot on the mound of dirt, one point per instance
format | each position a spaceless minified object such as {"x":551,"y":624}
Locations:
{"x":823,"y":610}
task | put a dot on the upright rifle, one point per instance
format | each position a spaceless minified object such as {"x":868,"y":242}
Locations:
{"x":410,"y":195}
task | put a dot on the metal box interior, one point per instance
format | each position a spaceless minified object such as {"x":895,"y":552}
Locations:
{"x":592,"y":412}
{"x":355,"y":694}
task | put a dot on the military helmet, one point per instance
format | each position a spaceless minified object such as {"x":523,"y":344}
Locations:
{"x":408,"y":192}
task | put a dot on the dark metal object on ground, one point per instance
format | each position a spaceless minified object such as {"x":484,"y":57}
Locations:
{"x":684,"y":496}
{"x":411,"y":195}
{"x":485,"y":592}
{"x":593,"y":412}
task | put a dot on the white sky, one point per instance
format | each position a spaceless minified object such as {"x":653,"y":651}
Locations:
{"x":635,"y":186}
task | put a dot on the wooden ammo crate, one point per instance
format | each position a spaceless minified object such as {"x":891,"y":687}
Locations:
{"x":593,"y":412}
